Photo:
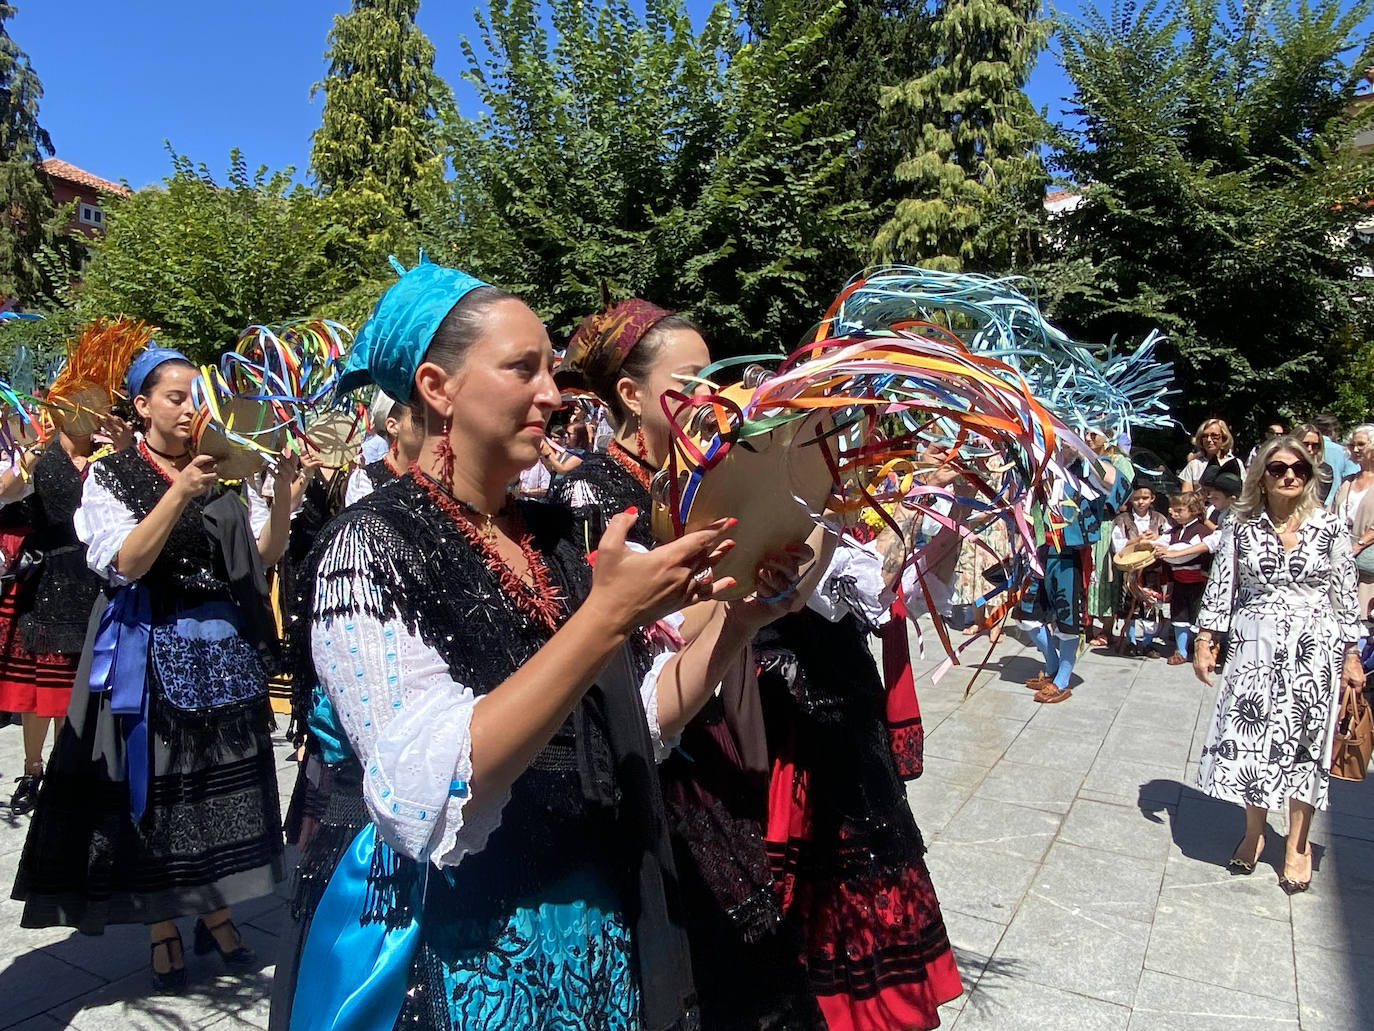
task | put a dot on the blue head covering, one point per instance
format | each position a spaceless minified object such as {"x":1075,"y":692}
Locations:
{"x":145,"y":362}
{"x":393,"y":341}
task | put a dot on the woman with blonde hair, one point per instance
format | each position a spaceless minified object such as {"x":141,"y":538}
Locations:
{"x":1283,"y":586}
{"x":1353,"y":504}
{"x":1215,"y":444}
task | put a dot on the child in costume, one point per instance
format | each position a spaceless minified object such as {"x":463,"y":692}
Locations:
{"x":1187,"y":572}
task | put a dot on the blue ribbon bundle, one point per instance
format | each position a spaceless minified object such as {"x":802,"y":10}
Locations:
{"x":119,"y":664}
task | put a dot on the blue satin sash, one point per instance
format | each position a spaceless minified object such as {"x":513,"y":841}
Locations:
{"x":119,"y":664}
{"x":353,"y":974}
{"x":324,"y":725}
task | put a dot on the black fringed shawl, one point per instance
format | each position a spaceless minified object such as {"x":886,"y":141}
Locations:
{"x":591,"y":795}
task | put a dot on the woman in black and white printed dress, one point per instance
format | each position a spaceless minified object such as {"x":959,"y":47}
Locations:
{"x":1283,"y":585}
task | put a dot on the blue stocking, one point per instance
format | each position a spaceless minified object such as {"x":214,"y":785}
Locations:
{"x":1131,"y":635}
{"x":1068,"y":655}
{"x":1181,"y":638}
{"x":1041,"y":636}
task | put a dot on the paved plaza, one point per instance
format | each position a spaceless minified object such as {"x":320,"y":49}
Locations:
{"x":1082,"y":878}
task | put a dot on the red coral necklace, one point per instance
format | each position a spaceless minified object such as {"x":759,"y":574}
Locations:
{"x":537,"y":597}
{"x":147,"y":453}
{"x":629,"y":463}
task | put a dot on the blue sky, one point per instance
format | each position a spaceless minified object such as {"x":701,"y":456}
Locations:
{"x":210,"y":76}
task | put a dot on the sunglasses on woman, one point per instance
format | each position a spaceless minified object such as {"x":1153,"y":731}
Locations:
{"x":1277,"y":470}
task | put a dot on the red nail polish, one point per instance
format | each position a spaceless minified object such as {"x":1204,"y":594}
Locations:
{"x":633,"y":510}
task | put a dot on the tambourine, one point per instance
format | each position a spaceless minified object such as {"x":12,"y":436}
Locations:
{"x":1137,"y":555}
{"x":774,"y":482}
{"x":238,"y":440}
{"x":337,"y":436}
{"x":79,"y":411}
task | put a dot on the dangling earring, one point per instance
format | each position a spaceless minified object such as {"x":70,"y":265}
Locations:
{"x":444,"y":452}
{"x":639,"y":444}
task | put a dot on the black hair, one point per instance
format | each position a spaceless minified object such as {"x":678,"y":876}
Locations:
{"x":457,"y":332}
{"x":1327,"y":424}
{"x":641,"y":359}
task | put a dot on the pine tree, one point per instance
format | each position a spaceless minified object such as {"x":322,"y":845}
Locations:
{"x":27,"y":218}
{"x":976,"y":134}
{"x":379,"y":132}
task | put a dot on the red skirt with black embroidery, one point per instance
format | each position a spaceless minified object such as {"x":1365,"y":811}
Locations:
{"x":874,"y":944}
{"x":40,"y":684}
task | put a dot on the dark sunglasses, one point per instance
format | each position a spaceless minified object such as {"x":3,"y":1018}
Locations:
{"x":1276,"y":470}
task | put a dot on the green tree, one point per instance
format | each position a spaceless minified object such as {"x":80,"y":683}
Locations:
{"x":203,"y":260}
{"x":1222,"y":199}
{"x":378,"y":155}
{"x":675,"y":164}
{"x":976,"y":136}
{"x":28,"y":221}
{"x":379,"y":131}
{"x":869,"y":45}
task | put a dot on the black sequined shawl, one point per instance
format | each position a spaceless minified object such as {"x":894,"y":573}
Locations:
{"x":65,"y":588}
{"x":188,"y":570}
{"x":613,"y":489}
{"x":590,"y":796}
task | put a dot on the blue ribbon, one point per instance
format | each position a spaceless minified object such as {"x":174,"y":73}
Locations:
{"x":353,"y":971}
{"x":119,"y":664}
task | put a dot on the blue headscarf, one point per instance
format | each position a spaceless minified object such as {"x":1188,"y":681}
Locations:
{"x":145,"y":362}
{"x":393,"y":341}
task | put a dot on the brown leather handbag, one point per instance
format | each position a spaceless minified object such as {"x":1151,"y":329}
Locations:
{"x":1354,"y":737}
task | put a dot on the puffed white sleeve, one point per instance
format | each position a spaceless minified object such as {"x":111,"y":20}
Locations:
{"x":358,"y":487}
{"x":103,"y":523}
{"x":853,"y":582}
{"x":408,"y":720}
{"x":665,"y":641}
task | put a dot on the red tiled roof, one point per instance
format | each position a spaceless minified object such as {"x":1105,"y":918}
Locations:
{"x":70,"y":173}
{"x":1055,"y":195}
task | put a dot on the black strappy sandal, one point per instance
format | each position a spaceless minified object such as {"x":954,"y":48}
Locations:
{"x":173,"y":982}
{"x":206,"y":942}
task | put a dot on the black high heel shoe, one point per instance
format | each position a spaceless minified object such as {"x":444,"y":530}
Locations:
{"x":173,"y":982}
{"x":206,"y":942}
{"x":1241,"y":866}
{"x":25,"y":797}
{"x":1291,"y":887}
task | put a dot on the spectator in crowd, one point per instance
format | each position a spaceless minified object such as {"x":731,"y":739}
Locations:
{"x":1274,"y":429}
{"x":1353,"y":503}
{"x":1333,"y":453}
{"x":1283,"y":585}
{"x":1215,"y":442}
{"x":1312,"y":440}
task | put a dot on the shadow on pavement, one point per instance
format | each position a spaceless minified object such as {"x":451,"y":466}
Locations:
{"x":1207,"y":830}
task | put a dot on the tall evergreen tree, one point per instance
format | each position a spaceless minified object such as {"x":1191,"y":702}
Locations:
{"x":974,"y":151}
{"x":379,"y":129}
{"x":27,"y":215}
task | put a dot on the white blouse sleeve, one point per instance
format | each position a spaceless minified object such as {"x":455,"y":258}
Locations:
{"x":409,"y":723}
{"x":665,"y":649}
{"x":358,"y":487}
{"x":406,"y":717}
{"x":258,"y":512}
{"x":852,"y":582}
{"x":103,"y":523}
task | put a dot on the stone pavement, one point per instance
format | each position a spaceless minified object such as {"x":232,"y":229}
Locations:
{"x":1081,"y":875}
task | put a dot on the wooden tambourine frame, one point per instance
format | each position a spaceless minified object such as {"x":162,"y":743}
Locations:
{"x":245,"y":433}
{"x":775,"y":482}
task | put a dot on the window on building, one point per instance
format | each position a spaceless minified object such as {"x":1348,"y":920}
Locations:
{"x":90,"y":214}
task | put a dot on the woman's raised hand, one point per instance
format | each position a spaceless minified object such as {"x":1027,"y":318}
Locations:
{"x":634,"y":588}
{"x":776,"y":593}
{"x":198,"y":477}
